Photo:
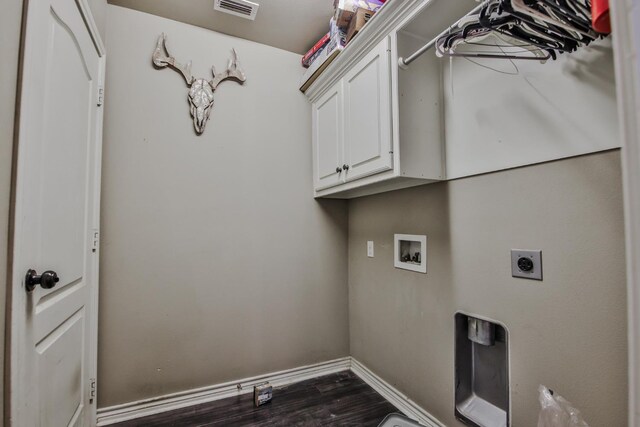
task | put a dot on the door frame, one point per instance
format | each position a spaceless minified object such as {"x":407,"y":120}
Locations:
{"x":13,"y":328}
{"x":626,"y":42}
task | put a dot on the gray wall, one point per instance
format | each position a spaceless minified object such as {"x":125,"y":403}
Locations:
{"x":216,"y":263}
{"x":567,"y":332}
{"x":10,"y":20}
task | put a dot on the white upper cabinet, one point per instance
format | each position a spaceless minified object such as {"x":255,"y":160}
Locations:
{"x":367,"y":113}
{"x":327,"y":131}
{"x":373,"y":130}
{"x":352,"y":123}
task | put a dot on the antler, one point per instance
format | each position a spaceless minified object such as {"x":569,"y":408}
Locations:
{"x":161,"y":59}
{"x":233,"y":71}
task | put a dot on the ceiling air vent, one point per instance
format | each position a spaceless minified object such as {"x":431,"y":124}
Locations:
{"x":243,"y":8}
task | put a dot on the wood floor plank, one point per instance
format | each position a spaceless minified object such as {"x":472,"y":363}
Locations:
{"x":340,"y":399}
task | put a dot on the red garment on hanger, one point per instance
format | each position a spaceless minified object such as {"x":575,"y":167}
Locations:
{"x":600,"y":16}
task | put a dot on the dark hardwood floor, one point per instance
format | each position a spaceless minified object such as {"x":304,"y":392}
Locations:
{"x":340,"y":399}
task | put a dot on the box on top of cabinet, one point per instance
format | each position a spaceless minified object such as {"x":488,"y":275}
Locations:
{"x":360,"y":18}
{"x":336,"y":44}
{"x":345,"y":9}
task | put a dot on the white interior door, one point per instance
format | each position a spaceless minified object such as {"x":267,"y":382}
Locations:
{"x":328,"y":138}
{"x":367,"y":104}
{"x":56,"y":218}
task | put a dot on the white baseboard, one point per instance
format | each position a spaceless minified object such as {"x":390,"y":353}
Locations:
{"x":170,"y":402}
{"x":410,"y":408}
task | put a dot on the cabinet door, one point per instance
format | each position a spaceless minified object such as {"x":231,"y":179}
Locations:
{"x":367,"y":103}
{"x":327,"y":138}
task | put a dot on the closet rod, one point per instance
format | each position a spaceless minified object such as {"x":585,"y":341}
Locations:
{"x":403,"y":63}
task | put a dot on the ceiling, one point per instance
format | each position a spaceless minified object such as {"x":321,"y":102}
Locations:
{"x":293,"y":25}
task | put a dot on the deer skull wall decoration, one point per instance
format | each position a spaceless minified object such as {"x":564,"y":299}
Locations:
{"x":201,"y":90}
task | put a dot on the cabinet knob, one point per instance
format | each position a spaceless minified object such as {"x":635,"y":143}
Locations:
{"x":345,"y":167}
{"x":338,"y":169}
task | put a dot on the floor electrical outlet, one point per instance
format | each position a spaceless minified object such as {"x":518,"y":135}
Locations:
{"x":262,"y":393}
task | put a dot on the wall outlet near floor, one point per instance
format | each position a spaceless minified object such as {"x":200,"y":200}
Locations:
{"x":262,"y":393}
{"x":370,"y":248}
{"x":526,"y":264}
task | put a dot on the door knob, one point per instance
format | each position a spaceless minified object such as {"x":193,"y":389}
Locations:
{"x":47,"y":280}
{"x":345,"y":167}
{"x":338,"y":169}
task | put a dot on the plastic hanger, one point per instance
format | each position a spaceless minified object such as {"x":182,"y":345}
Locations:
{"x":447,"y":46}
{"x":521,"y":6}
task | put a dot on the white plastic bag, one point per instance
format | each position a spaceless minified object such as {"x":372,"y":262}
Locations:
{"x":556,"y":411}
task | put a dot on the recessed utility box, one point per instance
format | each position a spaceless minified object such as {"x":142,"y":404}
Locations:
{"x":410,"y":252}
{"x":481,"y":372}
